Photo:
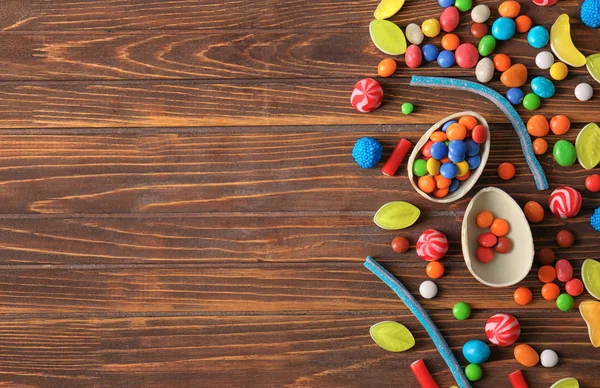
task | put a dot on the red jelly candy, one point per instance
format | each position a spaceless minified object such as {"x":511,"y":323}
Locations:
{"x":564,"y":270}
{"x":487,"y":240}
{"x":484,"y":254}
{"x":479,"y":134}
{"x":574,"y":287}
{"x":592,"y":183}
{"x":504,"y":245}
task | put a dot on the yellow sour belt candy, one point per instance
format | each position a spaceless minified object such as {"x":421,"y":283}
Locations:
{"x":562,"y":45}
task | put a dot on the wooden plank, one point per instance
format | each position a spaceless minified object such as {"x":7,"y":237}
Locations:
{"x":243,"y":239}
{"x":225,"y":55}
{"x":62,"y":15}
{"x":267,"y":351}
{"x":251,"y":289}
{"x":228,"y":172}
{"x":196,"y":103}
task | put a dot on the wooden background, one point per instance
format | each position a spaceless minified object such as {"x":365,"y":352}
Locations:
{"x":178,"y":204}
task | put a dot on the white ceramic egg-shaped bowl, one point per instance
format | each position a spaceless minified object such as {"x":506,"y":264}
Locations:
{"x":466,"y":185}
{"x":508,"y":268}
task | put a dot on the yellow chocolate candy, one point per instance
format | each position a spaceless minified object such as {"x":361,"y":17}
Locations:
{"x":463,"y":168}
{"x":559,"y":71}
{"x":562,"y":44}
{"x":590,"y":311}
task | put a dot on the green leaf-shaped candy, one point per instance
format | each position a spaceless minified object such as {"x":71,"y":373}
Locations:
{"x":587,"y":146}
{"x":392,"y":336}
{"x":569,"y":382}
{"x":387,"y":37}
{"x":396,"y":215}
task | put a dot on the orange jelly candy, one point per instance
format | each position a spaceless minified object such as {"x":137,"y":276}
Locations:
{"x":550,"y":291}
{"x":560,"y":124}
{"x":523,"y":24}
{"x":509,"y":9}
{"x":526,"y":355}
{"x":485,"y":219}
{"x":534,"y":211}
{"x":499,"y":227}
{"x":540,"y":146}
{"x":547,"y":274}
{"x":501,"y":62}
{"x":538,"y":126}
{"x":434,"y":269}
{"x":523,"y":296}
{"x":506,"y":171}
{"x":450,"y":42}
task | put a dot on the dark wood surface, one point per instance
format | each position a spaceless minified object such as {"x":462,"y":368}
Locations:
{"x":179,"y":206}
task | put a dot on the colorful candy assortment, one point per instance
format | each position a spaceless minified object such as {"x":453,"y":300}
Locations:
{"x":494,"y":240}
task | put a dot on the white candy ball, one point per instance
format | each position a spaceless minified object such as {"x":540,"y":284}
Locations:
{"x":480,"y":13}
{"x":544,"y":60}
{"x":584,"y":91}
{"x":414,"y":33}
{"x":484,"y":71}
{"x":549,"y":358}
{"x":428,"y":289}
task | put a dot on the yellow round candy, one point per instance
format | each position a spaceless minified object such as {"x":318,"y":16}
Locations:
{"x":431,"y":28}
{"x":463,"y":168}
{"x":433,"y":166}
{"x":559,"y":71}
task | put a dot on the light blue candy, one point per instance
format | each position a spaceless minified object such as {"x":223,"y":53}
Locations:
{"x":453,"y":186}
{"x":476,"y":351}
{"x":474,"y":161}
{"x":538,"y":37}
{"x":472,"y":147}
{"x":449,"y":170}
{"x":543,"y":87}
{"x":503,"y":28}
{"x":447,"y":124}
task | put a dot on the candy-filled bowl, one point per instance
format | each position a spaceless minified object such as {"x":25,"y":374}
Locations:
{"x":494,"y":215}
{"x":449,"y":158}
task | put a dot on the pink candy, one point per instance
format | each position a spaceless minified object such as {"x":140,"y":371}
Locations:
{"x":432,"y":245}
{"x":502,"y":329}
{"x":449,"y":19}
{"x":544,"y":3}
{"x":367,"y":95}
{"x":565,"y":202}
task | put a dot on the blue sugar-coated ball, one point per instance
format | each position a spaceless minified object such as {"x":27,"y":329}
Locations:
{"x":439,"y":150}
{"x":590,"y":13}
{"x":445,"y":58}
{"x":430,"y":52}
{"x":455,"y":158}
{"x":543,"y":87}
{"x":446,"y":3}
{"x":472,"y":147}
{"x":538,"y":37}
{"x":503,"y":28}
{"x":474,"y":161}
{"x":476,"y":351}
{"x":453,"y":186}
{"x":367,"y":152}
{"x":449,"y":170}
{"x":515,"y":95}
{"x":595,"y":219}
{"x":457,"y":147}
{"x":447,"y":124}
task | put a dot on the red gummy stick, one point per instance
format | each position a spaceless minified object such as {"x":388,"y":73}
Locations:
{"x":517,"y":380}
{"x":393,"y":162}
{"x":419,"y":369}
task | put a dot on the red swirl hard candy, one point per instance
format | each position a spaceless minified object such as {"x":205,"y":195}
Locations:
{"x":544,"y":3}
{"x":367,"y":95}
{"x":502,"y":329}
{"x":565,"y":202}
{"x":432,"y":245}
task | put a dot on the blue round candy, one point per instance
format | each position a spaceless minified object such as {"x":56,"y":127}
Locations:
{"x":543,"y":87}
{"x":476,"y":351}
{"x":457,"y":147}
{"x":445,"y":58}
{"x":439,"y":150}
{"x":472,"y":147}
{"x":455,"y":158}
{"x":430,"y":52}
{"x":367,"y":152}
{"x":503,"y":28}
{"x":446,"y":3}
{"x":447,"y":124}
{"x":538,"y":37}
{"x":453,"y":186}
{"x":474,"y":161}
{"x":594,"y":219}
{"x":515,"y":95}
{"x":449,"y":170}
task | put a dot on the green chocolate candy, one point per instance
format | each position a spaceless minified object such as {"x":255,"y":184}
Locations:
{"x":463,"y":5}
{"x":473,"y":372}
{"x":564,"y":153}
{"x":487,"y":45}
{"x":407,"y":108}
{"x":531,"y":101}
{"x":461,"y":311}
{"x":420,"y":167}
{"x":564,"y":302}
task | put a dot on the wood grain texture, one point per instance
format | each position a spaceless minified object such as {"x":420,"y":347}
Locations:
{"x":229,"y":172}
{"x":324,"y":350}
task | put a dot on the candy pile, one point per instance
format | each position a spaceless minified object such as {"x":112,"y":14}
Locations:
{"x":493,"y":241}
{"x":449,"y":156}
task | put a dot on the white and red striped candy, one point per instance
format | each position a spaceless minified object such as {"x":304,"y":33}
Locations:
{"x":502,"y":329}
{"x":565,"y":202}
{"x":432,"y":245}
{"x":544,"y":3}
{"x":366,"y":95}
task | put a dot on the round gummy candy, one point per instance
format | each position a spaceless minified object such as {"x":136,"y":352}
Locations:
{"x":515,"y":95}
{"x":407,"y":108}
{"x":538,"y":37}
{"x":445,"y":58}
{"x":448,"y":170}
{"x":531,"y":101}
{"x":367,"y":152}
{"x":430,"y":52}
{"x":461,"y":311}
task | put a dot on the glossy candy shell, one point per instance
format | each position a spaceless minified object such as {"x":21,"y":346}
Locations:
{"x":466,"y":185}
